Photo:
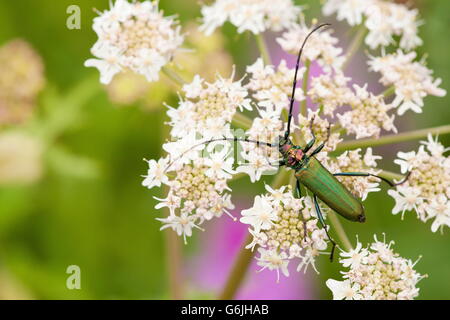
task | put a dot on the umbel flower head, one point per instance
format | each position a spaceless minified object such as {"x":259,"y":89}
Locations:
{"x":208,"y":107}
{"x":285,"y":228}
{"x":250,"y":15}
{"x":368,"y":116}
{"x":411,"y":79}
{"x":21,"y":79}
{"x":198,"y":190}
{"x":134,"y":36}
{"x":321,"y":48}
{"x":271,"y":87}
{"x":375,"y":273}
{"x":427,"y":190}
{"x":383,"y":19}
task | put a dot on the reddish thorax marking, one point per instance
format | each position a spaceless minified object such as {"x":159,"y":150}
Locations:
{"x":292,"y":154}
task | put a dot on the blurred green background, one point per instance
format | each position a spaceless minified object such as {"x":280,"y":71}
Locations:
{"x":89,"y":208}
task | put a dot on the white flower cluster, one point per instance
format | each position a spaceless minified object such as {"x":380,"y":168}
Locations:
{"x":352,"y":161}
{"x":321,"y":126}
{"x":198,"y":190}
{"x":208,"y":108}
{"x":284,"y":228}
{"x":427,"y":191}
{"x":134,"y":36}
{"x":368,"y":115}
{"x":272,"y":88}
{"x":267,"y":127}
{"x":384,"y":20}
{"x":322,"y":47}
{"x":375,"y":273}
{"x":255,"y":16}
{"x":330,"y":91}
{"x":411,"y":79}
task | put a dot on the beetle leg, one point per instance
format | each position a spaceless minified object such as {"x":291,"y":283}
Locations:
{"x":322,"y":221}
{"x":365,"y":174}
{"x":299,"y":195}
{"x":320,"y":147}
{"x":317,"y":150}
{"x":311,"y":143}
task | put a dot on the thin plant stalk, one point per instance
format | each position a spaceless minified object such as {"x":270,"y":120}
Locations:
{"x":339,"y":230}
{"x":393,"y":138}
{"x":172,"y":75}
{"x":354,"y":45}
{"x":238,"y":271}
{"x":388,"y":92}
{"x":303,"y":105}
{"x":174,"y":265}
{"x":242,"y":121}
{"x":263,"y":49}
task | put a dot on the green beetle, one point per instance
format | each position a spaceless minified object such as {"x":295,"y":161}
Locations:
{"x":310,"y":172}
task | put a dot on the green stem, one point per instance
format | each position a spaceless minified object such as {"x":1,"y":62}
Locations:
{"x":174,"y":265}
{"x":263,"y":49}
{"x":393,"y":138}
{"x":172,"y":75}
{"x":388,"y":92}
{"x":245,"y":256}
{"x":242,"y":121}
{"x":237,"y":176}
{"x":354,"y":45}
{"x":391,"y":175}
{"x":305,"y":87}
{"x":238,"y":271}
{"x":339,"y":230}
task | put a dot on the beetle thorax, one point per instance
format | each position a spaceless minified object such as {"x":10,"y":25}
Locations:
{"x":292,"y":155}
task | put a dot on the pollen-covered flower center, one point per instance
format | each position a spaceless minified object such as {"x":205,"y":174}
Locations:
{"x":142,"y":32}
{"x":352,"y":161}
{"x":383,"y":280}
{"x":201,"y":194}
{"x":192,"y":184}
{"x":212,"y":104}
{"x":378,"y":273}
{"x":287,"y":231}
{"x":431,"y":177}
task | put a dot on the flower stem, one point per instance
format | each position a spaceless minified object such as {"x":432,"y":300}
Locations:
{"x":339,"y":229}
{"x":388,"y":92}
{"x":391,"y":175}
{"x":172,"y":75}
{"x":242,"y":121}
{"x":354,"y":45}
{"x":393,"y":138}
{"x":238,"y":271}
{"x":174,"y":264}
{"x":305,"y":87}
{"x":245,"y":256}
{"x":263,"y":49}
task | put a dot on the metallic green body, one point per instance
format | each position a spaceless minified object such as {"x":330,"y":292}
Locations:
{"x":327,"y":188}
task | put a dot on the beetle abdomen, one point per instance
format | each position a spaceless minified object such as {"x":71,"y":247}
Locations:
{"x":328,"y":189}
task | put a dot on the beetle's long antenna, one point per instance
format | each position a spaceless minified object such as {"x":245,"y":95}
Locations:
{"x":294,"y":85}
{"x":235,"y":139}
